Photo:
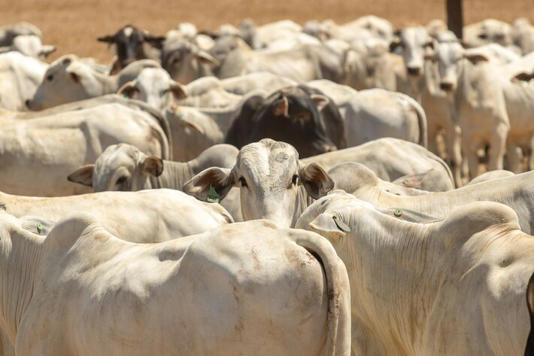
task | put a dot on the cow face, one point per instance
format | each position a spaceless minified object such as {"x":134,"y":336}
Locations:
{"x":130,"y":42}
{"x":155,"y":87}
{"x":120,"y":167}
{"x":270,"y":178}
{"x":66,"y":80}
{"x":448,"y":56}
{"x":412,"y":42}
{"x":184,"y":61}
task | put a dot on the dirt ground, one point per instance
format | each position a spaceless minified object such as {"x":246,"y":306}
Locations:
{"x":74,"y":25}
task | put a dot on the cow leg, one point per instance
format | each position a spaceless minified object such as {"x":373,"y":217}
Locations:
{"x":454,"y":151}
{"x":498,"y":147}
{"x":514,"y":157}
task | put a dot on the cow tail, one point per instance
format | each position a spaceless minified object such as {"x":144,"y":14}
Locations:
{"x":338,"y":341}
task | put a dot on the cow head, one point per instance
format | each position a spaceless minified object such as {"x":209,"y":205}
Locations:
{"x":155,"y":87}
{"x":270,"y":176}
{"x":67,"y":79}
{"x":292,"y":114}
{"x":412,"y":43}
{"x":130,"y":44}
{"x":186,"y":62}
{"x":120,"y":167}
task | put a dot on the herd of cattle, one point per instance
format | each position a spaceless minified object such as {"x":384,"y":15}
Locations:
{"x":271,"y":190}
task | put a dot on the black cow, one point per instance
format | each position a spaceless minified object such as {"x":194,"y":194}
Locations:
{"x":299,"y":115}
{"x":131,"y":45}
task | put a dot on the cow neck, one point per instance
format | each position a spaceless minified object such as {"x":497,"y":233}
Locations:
{"x":174,"y":175}
{"x":19,"y":260}
{"x":391,"y":263}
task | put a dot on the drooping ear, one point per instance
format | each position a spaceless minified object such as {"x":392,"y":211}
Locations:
{"x":281,"y":107}
{"x":177,"y":90}
{"x":211,"y":184}
{"x":316,"y":181}
{"x":155,"y":41}
{"x":206,"y":58}
{"x":73,"y":72}
{"x":47,"y":50}
{"x":331,"y":225}
{"x":128,"y":89}
{"x":152,"y":166}
{"x":83,"y":175}
{"x":107,"y":39}
{"x":320,"y":100}
{"x":476,"y":58}
{"x":523,"y":77}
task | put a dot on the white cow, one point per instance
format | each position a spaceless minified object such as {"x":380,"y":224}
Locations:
{"x":249,"y":288}
{"x":144,"y":216}
{"x":20,"y":76}
{"x":70,"y":78}
{"x":124,"y":167}
{"x":455,"y":286}
{"x":376,"y":113}
{"x":391,"y":158}
{"x":516,"y":191}
{"x":37,"y":155}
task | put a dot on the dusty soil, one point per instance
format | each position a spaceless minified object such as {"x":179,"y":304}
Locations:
{"x":73,"y":25}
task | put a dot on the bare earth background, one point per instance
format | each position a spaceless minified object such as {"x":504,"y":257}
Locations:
{"x":74,"y":25}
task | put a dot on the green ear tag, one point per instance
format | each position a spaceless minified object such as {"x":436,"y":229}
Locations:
{"x":213,"y":196}
{"x":39,"y":227}
{"x":397,"y":213}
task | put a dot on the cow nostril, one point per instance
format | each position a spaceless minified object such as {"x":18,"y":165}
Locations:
{"x":28,"y":103}
{"x":413,"y":70}
{"x":445,"y":86}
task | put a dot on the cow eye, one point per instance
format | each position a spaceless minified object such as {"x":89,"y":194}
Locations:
{"x":295,"y":179}
{"x":50,"y":77}
{"x":243,"y":182}
{"x":121,"y":180}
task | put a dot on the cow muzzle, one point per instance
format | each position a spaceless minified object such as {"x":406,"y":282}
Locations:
{"x":413,"y":71}
{"x":446,"y":86}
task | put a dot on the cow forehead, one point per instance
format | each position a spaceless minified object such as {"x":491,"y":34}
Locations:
{"x":128,"y":31}
{"x":267,"y":159}
{"x":415,"y":35}
{"x":153,"y":78}
{"x":116,"y":156}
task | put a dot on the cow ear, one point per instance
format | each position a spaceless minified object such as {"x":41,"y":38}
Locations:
{"x":107,"y":39}
{"x":331,"y":225}
{"x":155,"y":41}
{"x":152,"y":166}
{"x":83,"y":175}
{"x":316,"y":181}
{"x":476,"y":58}
{"x":128,"y":90}
{"x":523,"y":77}
{"x":320,"y":100}
{"x":210,"y":185}
{"x":206,"y":58}
{"x":73,"y":73}
{"x":529,"y":350}
{"x":395,"y":43}
{"x":177,"y":90}
{"x":281,"y":107}
{"x":47,"y":50}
